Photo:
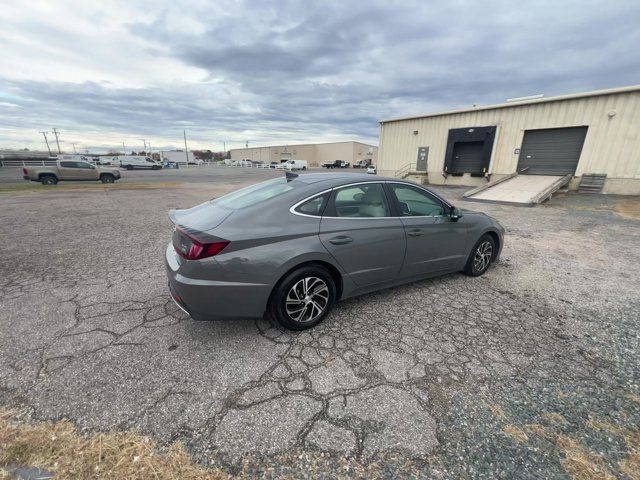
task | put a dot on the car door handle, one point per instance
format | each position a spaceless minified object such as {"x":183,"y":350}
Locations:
{"x":415,"y":233}
{"x":341,"y":240}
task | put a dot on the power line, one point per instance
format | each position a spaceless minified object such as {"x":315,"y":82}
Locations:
{"x":56,"y":132}
{"x":186,"y":150}
{"x":46,"y":141}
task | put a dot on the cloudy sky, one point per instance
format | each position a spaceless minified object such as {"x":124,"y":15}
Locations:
{"x":283,"y":71}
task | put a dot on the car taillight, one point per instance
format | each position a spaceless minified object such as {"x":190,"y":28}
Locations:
{"x":192,"y":248}
{"x":24,"y":171}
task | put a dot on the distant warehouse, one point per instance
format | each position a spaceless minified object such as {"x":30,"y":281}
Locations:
{"x":314,"y":153}
{"x":593,"y":134}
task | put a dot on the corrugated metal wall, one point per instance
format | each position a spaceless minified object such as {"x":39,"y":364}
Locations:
{"x":612,"y":145}
{"x":315,"y":154}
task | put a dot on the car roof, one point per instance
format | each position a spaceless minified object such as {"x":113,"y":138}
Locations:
{"x":338,"y":178}
{"x":325,"y":181}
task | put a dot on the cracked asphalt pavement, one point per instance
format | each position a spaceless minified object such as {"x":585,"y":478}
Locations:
{"x":431,"y":379}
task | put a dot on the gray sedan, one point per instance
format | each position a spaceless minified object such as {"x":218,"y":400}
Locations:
{"x":295,"y":245}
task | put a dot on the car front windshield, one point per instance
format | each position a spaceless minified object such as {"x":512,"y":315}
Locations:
{"x":254,"y":194}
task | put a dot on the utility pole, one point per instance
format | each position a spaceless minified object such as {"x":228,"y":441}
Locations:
{"x":224,"y":145}
{"x":186,"y":150}
{"x":46,"y":141}
{"x":124,"y":149}
{"x":145,"y":143}
{"x":246,"y":144}
{"x":56,"y":132}
{"x":74,"y":147}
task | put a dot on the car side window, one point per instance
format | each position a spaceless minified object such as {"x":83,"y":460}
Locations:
{"x":314,"y":206}
{"x":415,"y":202}
{"x":364,"y":200}
{"x":69,"y":164}
{"x":84,"y":165}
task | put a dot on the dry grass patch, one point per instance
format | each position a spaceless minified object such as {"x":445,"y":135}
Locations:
{"x":555,"y":418}
{"x":581,"y":463}
{"x":630,"y":465}
{"x":57,"y":447}
{"x":497,"y":411}
{"x":541,"y":431}
{"x":516,"y":433}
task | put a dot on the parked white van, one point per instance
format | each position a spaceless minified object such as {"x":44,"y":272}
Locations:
{"x":134,"y":161}
{"x":295,"y":165}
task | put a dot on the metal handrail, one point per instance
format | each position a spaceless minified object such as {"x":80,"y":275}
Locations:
{"x":404,"y":171}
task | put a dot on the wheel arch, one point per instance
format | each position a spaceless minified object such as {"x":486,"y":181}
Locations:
{"x":47,"y":174}
{"x":333,"y":270}
{"x":496,"y":238}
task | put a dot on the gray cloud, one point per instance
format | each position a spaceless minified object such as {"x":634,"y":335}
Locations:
{"x":300,"y":71}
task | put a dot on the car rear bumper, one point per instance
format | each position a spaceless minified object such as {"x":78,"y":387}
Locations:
{"x":214,"y":299}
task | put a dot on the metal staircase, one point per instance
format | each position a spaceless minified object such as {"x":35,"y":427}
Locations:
{"x":592,"y":183}
{"x":405,"y":171}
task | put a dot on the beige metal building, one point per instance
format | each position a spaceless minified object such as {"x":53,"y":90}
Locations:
{"x":580,"y":134}
{"x":314,"y":153}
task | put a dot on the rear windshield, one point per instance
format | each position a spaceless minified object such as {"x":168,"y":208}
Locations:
{"x":254,"y":194}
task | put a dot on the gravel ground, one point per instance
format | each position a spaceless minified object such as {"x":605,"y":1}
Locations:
{"x":515,"y":374}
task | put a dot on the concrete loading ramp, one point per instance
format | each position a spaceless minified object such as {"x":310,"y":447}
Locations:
{"x":523,"y":190}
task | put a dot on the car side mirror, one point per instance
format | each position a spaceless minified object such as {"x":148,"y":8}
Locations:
{"x":455,"y":214}
{"x":404,"y":208}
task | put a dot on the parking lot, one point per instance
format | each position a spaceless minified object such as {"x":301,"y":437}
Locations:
{"x":524,"y":372}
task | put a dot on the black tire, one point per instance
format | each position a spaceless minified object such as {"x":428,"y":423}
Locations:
{"x":107,"y":178}
{"x":48,"y":180}
{"x":323,"y":297}
{"x":129,"y":167}
{"x":304,"y":168}
{"x":481,"y":256}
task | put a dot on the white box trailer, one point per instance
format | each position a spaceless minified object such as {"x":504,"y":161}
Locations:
{"x":180,"y":158}
{"x":74,"y":157}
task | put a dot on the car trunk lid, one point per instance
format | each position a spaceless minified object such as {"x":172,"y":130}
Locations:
{"x":200,"y":218}
{"x":192,"y":237}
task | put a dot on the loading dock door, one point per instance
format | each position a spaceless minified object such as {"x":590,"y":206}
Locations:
{"x":468,"y":157}
{"x":551,"y":151}
{"x":469,"y":150}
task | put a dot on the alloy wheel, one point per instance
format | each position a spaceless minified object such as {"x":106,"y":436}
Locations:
{"x":483,"y":255}
{"x":307,"y":299}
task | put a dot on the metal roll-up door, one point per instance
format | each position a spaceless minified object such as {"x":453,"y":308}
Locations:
{"x":467,"y":157}
{"x":552,"y":151}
